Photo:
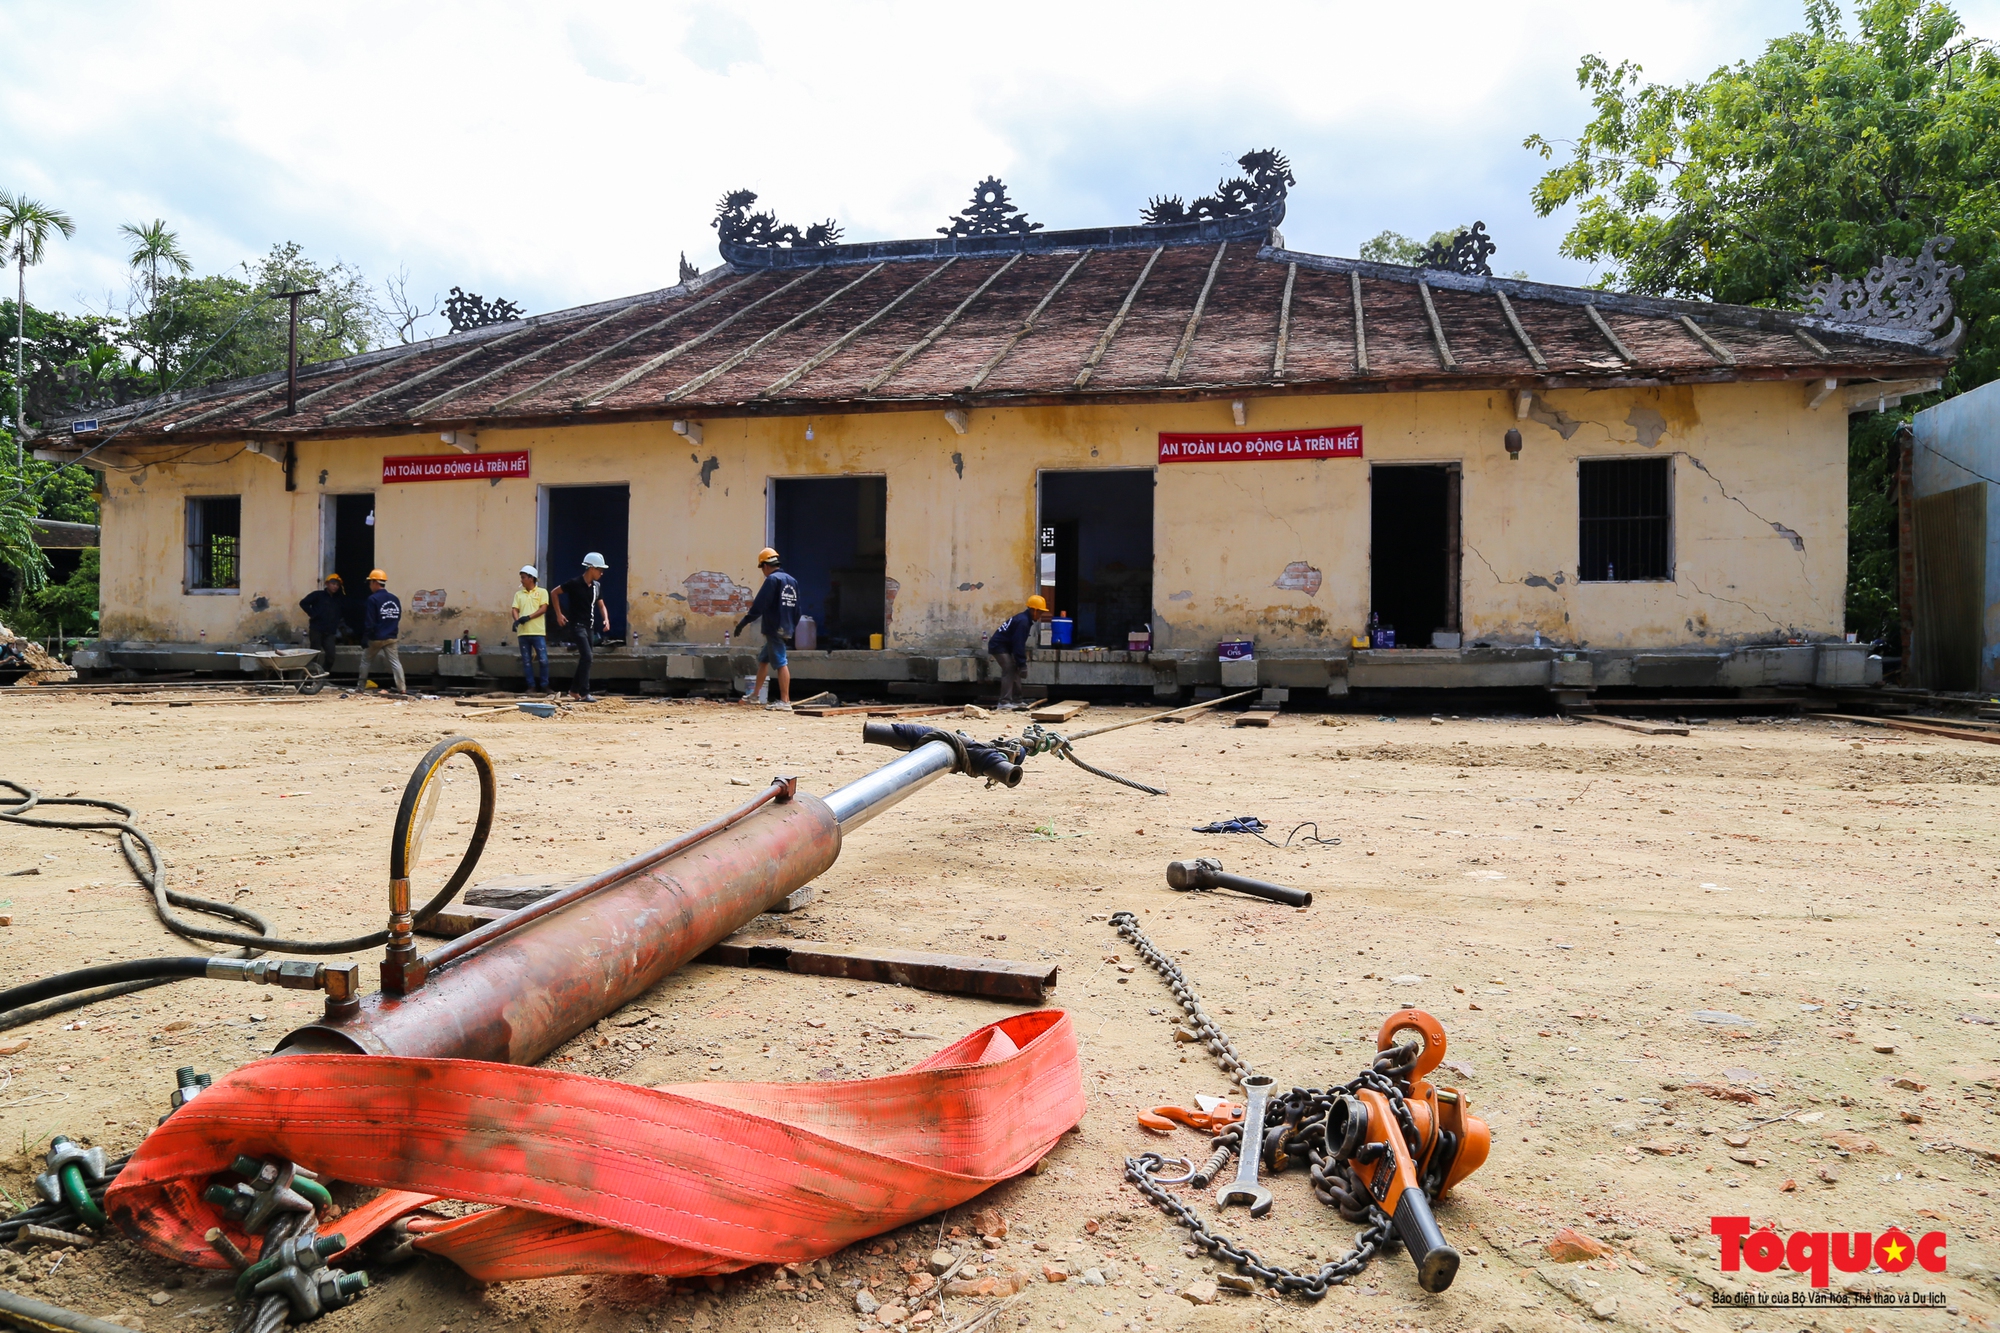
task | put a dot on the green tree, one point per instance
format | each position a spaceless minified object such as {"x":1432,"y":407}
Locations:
{"x":67,"y":608}
{"x":222,"y":327}
{"x":25,"y":227}
{"x":1392,"y":247}
{"x":1827,"y":152}
{"x":153,"y":248}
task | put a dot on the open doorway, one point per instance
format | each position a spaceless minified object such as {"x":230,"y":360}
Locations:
{"x":347,"y":548}
{"x":1414,"y":550}
{"x":832,"y":534}
{"x":577,"y":520}
{"x":1097,"y":551}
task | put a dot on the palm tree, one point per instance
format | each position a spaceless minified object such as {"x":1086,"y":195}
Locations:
{"x":25,"y":225}
{"x":154,"y":247}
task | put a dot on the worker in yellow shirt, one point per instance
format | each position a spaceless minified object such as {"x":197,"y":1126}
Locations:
{"x":531,"y":608}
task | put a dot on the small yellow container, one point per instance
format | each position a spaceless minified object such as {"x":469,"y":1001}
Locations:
{"x":1359,"y":641}
{"x":875,"y":642}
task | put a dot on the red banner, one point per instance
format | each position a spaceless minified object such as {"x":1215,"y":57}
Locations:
{"x":454,"y":467}
{"x":1248,"y":445}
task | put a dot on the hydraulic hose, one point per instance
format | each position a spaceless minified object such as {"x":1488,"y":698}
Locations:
{"x":104,"y":974}
{"x":419,"y":804}
{"x":419,"y":797}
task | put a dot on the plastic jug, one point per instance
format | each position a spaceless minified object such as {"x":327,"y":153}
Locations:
{"x":805,"y":636}
{"x":1062,"y":631}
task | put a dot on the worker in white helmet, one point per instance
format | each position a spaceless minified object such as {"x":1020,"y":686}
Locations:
{"x":579,"y":607}
{"x":531,"y":609}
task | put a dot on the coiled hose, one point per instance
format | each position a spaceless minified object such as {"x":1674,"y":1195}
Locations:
{"x":71,"y":990}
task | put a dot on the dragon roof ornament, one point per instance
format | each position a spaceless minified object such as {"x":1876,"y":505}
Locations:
{"x":1897,"y":296}
{"x":1467,"y":253}
{"x":1269,"y":178}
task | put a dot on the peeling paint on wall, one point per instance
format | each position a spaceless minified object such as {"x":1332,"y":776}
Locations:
{"x":1299,"y":577}
{"x":708,"y":468}
{"x":890,"y":587}
{"x":260,"y":604}
{"x":1184,"y":595}
{"x":1562,"y":423}
{"x":958,"y":464}
{"x":1650,"y":424}
{"x":968,"y":587}
{"x":1537,"y":581}
{"x":427,"y":601}
{"x":713,"y":594}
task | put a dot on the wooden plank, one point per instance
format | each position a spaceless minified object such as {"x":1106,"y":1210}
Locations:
{"x":1256,"y":717}
{"x":457,"y":920}
{"x":877,"y":710}
{"x":1194,"y":320}
{"x":917,"y":712}
{"x":1117,"y":322}
{"x":1642,"y":728}
{"x":1899,"y":724}
{"x":953,"y":974}
{"x":1061,"y":712}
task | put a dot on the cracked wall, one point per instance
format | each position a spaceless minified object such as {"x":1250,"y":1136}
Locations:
{"x":1278,"y":551}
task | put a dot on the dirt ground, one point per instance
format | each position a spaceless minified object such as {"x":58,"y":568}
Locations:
{"x":1745,"y":972}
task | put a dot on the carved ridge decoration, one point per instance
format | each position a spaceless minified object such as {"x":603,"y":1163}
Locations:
{"x":468,"y":310}
{"x":737,"y":225}
{"x":1268,"y":178}
{"x":991,"y":213}
{"x":1467,"y":253}
{"x":1909,"y":295}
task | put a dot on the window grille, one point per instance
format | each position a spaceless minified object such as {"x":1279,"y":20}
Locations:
{"x":214,"y":533}
{"x":1624,"y":520}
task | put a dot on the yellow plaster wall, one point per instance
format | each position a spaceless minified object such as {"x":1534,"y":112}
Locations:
{"x":1759,"y":532}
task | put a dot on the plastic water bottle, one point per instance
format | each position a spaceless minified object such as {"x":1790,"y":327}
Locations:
{"x":1538,"y":638}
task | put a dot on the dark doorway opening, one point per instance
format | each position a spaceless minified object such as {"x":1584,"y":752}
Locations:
{"x":1413,"y":551}
{"x":832,"y":534}
{"x":1098,"y":526}
{"x":582,"y":519}
{"x":350,"y":522}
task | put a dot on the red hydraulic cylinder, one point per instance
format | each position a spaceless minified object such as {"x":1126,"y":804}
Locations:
{"x":517,"y":997}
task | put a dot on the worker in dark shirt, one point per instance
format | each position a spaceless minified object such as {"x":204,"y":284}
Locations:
{"x":325,"y":610}
{"x":579,"y":607}
{"x":1009,"y":646}
{"x":381,"y":619}
{"x":776,"y":611}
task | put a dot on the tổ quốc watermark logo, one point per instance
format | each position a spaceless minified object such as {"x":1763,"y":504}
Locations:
{"x":1820,"y":1254}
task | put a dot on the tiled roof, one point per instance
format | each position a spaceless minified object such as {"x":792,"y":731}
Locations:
{"x":1047,"y":324}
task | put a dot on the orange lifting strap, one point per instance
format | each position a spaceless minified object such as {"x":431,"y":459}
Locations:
{"x":588,"y":1175}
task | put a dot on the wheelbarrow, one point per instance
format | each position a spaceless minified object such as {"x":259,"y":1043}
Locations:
{"x":293,"y":666}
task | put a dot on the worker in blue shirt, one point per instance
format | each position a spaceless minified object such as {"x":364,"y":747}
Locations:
{"x":776,"y":610}
{"x":1009,"y":646}
{"x":325,"y":608}
{"x":382,"y":617}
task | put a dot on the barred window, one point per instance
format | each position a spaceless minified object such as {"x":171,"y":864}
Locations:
{"x":214,"y":530}
{"x":1624,"y":520}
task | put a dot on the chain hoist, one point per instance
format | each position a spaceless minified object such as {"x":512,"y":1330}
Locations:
{"x":1380,"y":1148}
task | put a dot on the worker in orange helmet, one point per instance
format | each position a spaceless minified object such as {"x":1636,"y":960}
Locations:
{"x":776,"y":609}
{"x":1009,"y":646}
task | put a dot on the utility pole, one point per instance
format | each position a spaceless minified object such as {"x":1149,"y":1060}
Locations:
{"x":292,"y":352}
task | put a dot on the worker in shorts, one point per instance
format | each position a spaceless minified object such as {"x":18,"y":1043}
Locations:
{"x":531,"y":609}
{"x":776,"y":609}
{"x":583,"y":596}
{"x":1009,"y":646}
{"x":381,"y":619}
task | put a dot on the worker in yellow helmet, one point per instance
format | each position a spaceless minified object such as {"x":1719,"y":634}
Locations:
{"x":1009,"y":646}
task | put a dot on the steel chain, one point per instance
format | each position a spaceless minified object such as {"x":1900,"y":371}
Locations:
{"x":1294,"y":1122}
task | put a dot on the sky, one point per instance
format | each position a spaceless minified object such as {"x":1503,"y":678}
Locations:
{"x":559,"y":154}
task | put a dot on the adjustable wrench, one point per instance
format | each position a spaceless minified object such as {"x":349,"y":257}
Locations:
{"x":1245,"y":1189}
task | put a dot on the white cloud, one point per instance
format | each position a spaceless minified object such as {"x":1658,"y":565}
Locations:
{"x":561,"y":154}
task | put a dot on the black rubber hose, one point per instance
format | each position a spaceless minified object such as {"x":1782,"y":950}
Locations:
{"x":104,"y":974}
